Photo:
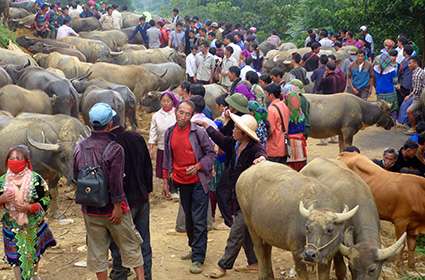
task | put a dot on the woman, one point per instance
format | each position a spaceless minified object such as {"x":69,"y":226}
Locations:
{"x":242,"y":151}
{"x":41,"y":21}
{"x":260,"y":114}
{"x":297,"y":142}
{"x":183,"y":91}
{"x":253,"y":78}
{"x":385,"y":78}
{"x":25,"y":197}
{"x":160,"y":122}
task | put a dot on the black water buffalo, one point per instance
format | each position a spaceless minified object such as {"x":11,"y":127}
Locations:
{"x":4,"y":78}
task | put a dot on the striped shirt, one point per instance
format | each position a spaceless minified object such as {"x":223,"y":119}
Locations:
{"x":418,"y":82}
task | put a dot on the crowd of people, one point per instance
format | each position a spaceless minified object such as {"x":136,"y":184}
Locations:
{"x":200,"y":154}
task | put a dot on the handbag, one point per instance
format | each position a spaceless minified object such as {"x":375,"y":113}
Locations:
{"x":92,"y":186}
{"x":285,"y":135}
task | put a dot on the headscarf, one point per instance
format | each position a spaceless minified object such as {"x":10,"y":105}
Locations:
{"x":171,"y":95}
{"x":260,"y":112}
{"x":384,"y":61}
{"x":297,"y":83}
{"x":293,"y":101}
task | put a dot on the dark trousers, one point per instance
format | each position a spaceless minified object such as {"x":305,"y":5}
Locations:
{"x":140,"y":214}
{"x":238,"y":237}
{"x":277,"y":159}
{"x":401,"y":94}
{"x":195,"y":205}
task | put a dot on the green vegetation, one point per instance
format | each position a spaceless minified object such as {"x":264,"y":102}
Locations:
{"x":5,"y":36}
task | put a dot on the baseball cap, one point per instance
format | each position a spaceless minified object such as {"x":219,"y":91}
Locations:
{"x":214,"y":24}
{"x":363,"y":28}
{"x":101,"y":114}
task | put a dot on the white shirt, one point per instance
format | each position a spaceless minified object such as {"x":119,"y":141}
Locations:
{"x":400,"y":56}
{"x":117,"y":19}
{"x":236,"y":52}
{"x":191,"y":67}
{"x":65,"y":31}
{"x":160,"y":122}
{"x":368,"y":38}
{"x":245,"y":70}
{"x":225,"y":66}
{"x":205,"y":66}
{"x":326,"y":43}
{"x":202,"y":117}
{"x":74,"y":12}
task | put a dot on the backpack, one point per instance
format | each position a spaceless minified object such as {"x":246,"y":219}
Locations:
{"x":92,"y":184}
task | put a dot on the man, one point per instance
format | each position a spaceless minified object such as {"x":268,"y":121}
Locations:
{"x":117,"y":17}
{"x":107,"y":21}
{"x":274,"y":39}
{"x":65,"y":15}
{"x":401,"y":43}
{"x":279,"y":78}
{"x":199,"y":89}
{"x":404,"y":74}
{"x":418,"y":86}
{"x":86,"y":12}
{"x":297,"y":70}
{"x":142,"y":27}
{"x":177,"y":39}
{"x":329,"y":82}
{"x":66,"y":30}
{"x":228,"y":61}
{"x":319,"y":73}
{"x":360,"y":74}
{"x":349,"y":40}
{"x":154,"y":35}
{"x":407,"y":161}
{"x":191,"y":67}
{"x":310,"y":60}
{"x":388,"y":46}
{"x":205,"y":63}
{"x":278,"y":118}
{"x":229,"y":41}
{"x":389,"y":160}
{"x":324,"y":41}
{"x":189,"y":158}
{"x":239,"y":86}
{"x":312,"y":37}
{"x":212,"y":39}
{"x":137,"y":186}
{"x":368,"y":39}
{"x":175,"y":16}
{"x":112,"y":222}
{"x":247,"y":67}
{"x":199,"y":115}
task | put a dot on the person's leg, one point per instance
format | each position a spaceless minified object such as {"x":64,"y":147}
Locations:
{"x":248,"y":247}
{"x":186,"y":203}
{"x":199,"y":216}
{"x":410,"y":113}
{"x":213,"y":201}
{"x":180,"y":220}
{"x":142,"y":223}
{"x":134,"y":34}
{"x":118,"y":272}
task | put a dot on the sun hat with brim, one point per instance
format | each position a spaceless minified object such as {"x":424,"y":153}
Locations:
{"x":247,"y":124}
{"x":239,"y":102}
{"x":101,"y":114}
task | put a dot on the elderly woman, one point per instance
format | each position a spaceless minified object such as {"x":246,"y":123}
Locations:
{"x":25,"y":197}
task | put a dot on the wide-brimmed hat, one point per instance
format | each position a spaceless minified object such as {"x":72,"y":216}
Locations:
{"x":239,"y":102}
{"x":247,"y":124}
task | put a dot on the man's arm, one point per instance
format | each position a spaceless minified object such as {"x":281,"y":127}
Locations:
{"x":207,"y":161}
{"x":116,"y":172}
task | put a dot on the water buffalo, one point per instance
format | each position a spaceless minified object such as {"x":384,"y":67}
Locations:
{"x":85,"y":24}
{"x":151,"y":103}
{"x":63,"y":95}
{"x":83,"y":85}
{"x":130,"y":19}
{"x":174,"y":76}
{"x":25,"y":22}
{"x":4,"y":10}
{"x":43,"y":48}
{"x":128,"y":31}
{"x":114,"y":39}
{"x":71,"y":66}
{"x":399,"y":198}
{"x":278,"y":217}
{"x":287,"y":46}
{"x":28,"y":41}
{"x":135,"y":77}
{"x":56,"y":71}
{"x":15,"y":57}
{"x":92,"y":49}
{"x":4,"y":78}
{"x":26,"y":5}
{"x":366,"y":257}
{"x":344,"y":114}
{"x":51,"y":140}
{"x":18,"y":13}
{"x":16,"y":100}
{"x":155,"y":56}
{"x":265,"y":47}
{"x":133,"y":47}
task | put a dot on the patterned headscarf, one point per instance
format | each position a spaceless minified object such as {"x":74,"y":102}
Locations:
{"x":260,"y":112}
{"x":384,"y":61}
{"x":293,"y":101}
{"x":297,"y":83}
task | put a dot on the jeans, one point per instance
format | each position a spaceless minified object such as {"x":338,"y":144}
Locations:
{"x":195,"y":205}
{"x":133,"y":35}
{"x":140,"y":214}
{"x":238,"y":237}
{"x":180,"y":220}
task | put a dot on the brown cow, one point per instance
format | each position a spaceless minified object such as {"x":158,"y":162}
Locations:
{"x":400,"y":198}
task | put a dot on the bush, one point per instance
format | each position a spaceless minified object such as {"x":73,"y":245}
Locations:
{"x":5,"y":36}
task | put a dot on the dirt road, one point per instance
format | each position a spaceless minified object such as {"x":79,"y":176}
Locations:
{"x":58,"y":263}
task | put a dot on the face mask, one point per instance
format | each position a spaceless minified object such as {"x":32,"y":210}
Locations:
{"x":16,"y":166}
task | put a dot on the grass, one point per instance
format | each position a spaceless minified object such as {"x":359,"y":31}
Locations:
{"x":5,"y":36}
{"x":420,"y":245}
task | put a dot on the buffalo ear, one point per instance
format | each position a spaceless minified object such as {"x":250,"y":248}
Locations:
{"x":53,"y":99}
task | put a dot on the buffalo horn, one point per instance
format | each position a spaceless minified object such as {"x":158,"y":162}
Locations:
{"x":384,"y":254}
{"x":344,"y":250}
{"x":346,"y":215}
{"x":305,"y":212}
{"x":116,"y":53}
{"x":42,"y":146}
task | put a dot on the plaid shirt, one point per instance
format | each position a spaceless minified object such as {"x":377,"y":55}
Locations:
{"x":418,"y":82}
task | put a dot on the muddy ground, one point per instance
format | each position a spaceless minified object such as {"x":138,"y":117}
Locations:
{"x":58,"y":263}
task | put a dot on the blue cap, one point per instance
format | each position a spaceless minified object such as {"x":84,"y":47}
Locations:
{"x":101,"y":114}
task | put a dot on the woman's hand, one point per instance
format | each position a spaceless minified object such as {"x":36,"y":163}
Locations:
{"x":7,"y":197}
{"x":204,"y":124}
{"x":259,"y":159}
{"x":23,"y":208}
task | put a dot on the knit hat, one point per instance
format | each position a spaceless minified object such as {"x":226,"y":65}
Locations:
{"x":247,"y":124}
{"x":239,"y":102}
{"x":260,"y":112}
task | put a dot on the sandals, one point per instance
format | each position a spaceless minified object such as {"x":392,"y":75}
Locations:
{"x":217,"y":273}
{"x":247,"y":269}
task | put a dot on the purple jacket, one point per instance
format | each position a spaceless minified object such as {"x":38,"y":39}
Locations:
{"x":239,"y":86}
{"x":89,"y":152}
{"x":202,"y":147}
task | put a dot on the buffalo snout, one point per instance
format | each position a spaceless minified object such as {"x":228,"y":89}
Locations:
{"x":311,"y":255}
